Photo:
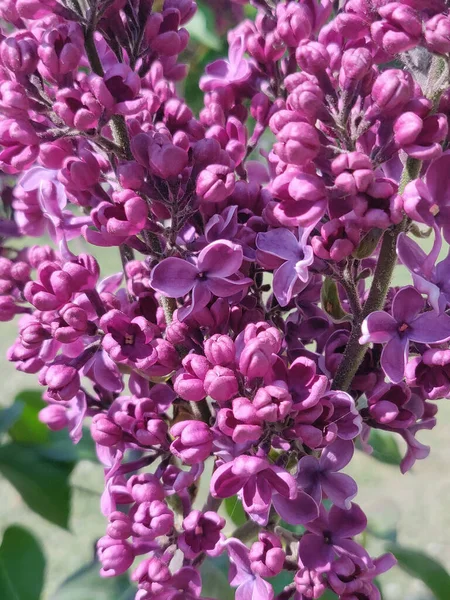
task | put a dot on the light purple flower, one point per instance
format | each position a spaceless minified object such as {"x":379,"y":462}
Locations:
{"x":235,"y":71}
{"x":319,"y":477}
{"x":249,"y":585}
{"x":430,"y":279}
{"x":201,"y":533}
{"x":290,"y":257}
{"x":407,"y":323}
{"x":211,"y":275}
{"x":52,"y":202}
{"x":329,"y":537}
{"x":258,"y":483}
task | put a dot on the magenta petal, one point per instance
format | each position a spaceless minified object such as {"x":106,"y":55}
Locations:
{"x":407,"y":304}
{"x":224,"y":483}
{"x":299,"y":511}
{"x":394,"y":358}
{"x":430,"y":328}
{"x":339,"y":488}
{"x":173,"y":277}
{"x":352,"y":549}
{"x":220,"y":259}
{"x":279,"y":242}
{"x":284,"y":280}
{"x":438,"y":179}
{"x":200,"y":298}
{"x":315,"y":553}
{"x":240,"y":570}
{"x":379,"y":327}
{"x":308,"y":471}
{"x":337,"y":456}
{"x":347,"y":523}
{"x":253,"y":589}
{"x":223,"y":288}
{"x":410,"y":253}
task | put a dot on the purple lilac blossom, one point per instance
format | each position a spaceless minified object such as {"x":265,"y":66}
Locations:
{"x":243,"y":344}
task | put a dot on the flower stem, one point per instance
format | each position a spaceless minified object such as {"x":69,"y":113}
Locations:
{"x":387,"y":259}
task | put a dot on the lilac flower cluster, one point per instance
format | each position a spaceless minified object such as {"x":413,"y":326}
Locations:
{"x":244,"y":340}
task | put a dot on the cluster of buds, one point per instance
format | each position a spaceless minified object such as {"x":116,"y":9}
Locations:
{"x":243,"y":334}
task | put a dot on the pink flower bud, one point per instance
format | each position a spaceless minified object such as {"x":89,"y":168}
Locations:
{"x":81,"y":172}
{"x":400,"y":28}
{"x":13,"y":99}
{"x":312,"y":57}
{"x":294,"y":23}
{"x":77,"y":109}
{"x":145,"y":488}
{"x":116,"y":556}
{"x":215,"y":183}
{"x":354,"y":172}
{"x":220,"y":350}
{"x":152,"y":519}
{"x":241,"y":423}
{"x":193,"y":441}
{"x":54,"y":416}
{"x":392,"y":90}
{"x":117,"y":90}
{"x":437,"y":34}
{"x":307,"y":100}
{"x":337,"y":240}
{"x":131,"y":175}
{"x":63,"y":381}
{"x":8,"y":308}
{"x":267,"y":555}
{"x":119,"y":526}
{"x":255,"y":360}
{"x":221,"y":384}
{"x":356,"y":64}
{"x":298,"y":143}
{"x":53,"y":154}
{"x":201,"y":533}
{"x":272,"y":403}
{"x":20,"y":145}
{"x":169,"y":40}
{"x":19,"y":53}
{"x":104,"y":431}
{"x":60,"y":50}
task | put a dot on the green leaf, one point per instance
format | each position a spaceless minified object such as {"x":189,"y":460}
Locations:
{"x":8,"y":416}
{"x":419,"y":233}
{"x":86,"y":584}
{"x":202,"y":27}
{"x":28,"y":429}
{"x":385,"y":448}
{"x":423,"y":567}
{"x":281,"y":581}
{"x":368,"y":244}
{"x":214,"y":572}
{"x":43,"y":484}
{"x":329,"y":298}
{"x":22,"y":565}
{"x":235,"y":510}
{"x":61,"y":448}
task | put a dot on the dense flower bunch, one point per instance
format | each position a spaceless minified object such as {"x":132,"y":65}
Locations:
{"x":243,"y":340}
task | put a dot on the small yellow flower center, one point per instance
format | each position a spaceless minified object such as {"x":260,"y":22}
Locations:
{"x":434,"y":210}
